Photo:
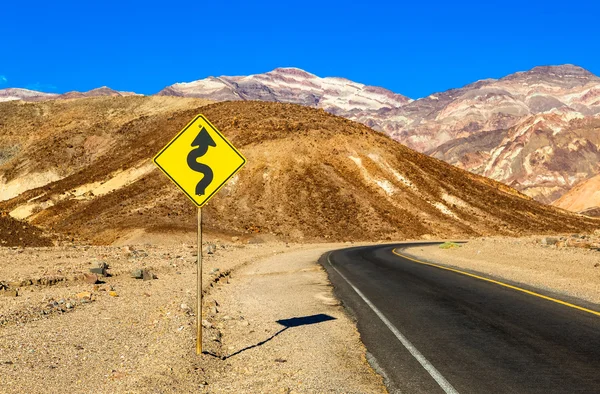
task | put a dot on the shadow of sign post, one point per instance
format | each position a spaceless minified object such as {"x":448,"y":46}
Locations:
{"x":287,"y":324}
{"x":306,"y":320}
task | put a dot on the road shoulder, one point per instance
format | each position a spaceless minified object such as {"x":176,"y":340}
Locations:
{"x":569,"y":273}
{"x":278,"y":328}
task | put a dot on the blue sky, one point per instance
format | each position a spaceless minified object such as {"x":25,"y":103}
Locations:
{"x":414,"y":48}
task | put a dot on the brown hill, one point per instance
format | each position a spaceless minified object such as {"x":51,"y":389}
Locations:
{"x":17,"y":233}
{"x":310,"y":176}
{"x":584,"y":198}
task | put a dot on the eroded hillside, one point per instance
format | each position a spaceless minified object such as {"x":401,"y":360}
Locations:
{"x":83,"y":168}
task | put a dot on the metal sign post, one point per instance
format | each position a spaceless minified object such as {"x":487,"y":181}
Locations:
{"x":199,"y":287}
{"x":199,"y":160}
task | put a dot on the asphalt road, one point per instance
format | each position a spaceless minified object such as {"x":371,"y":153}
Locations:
{"x":432,"y":330}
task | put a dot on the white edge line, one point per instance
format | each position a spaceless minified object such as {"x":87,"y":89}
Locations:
{"x":435,"y":374}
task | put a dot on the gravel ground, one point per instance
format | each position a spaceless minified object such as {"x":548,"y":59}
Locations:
{"x":129,"y":335}
{"x":572,"y":272}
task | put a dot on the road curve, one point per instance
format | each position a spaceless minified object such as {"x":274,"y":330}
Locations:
{"x":432,"y":330}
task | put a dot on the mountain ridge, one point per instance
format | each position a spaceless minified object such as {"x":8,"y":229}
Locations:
{"x":487,"y":121}
{"x":310,"y":175}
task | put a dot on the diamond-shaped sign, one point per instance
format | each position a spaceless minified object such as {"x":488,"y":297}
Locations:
{"x":199,"y":160}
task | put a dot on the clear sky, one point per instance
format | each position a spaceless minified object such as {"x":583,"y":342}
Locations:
{"x":413,"y":48}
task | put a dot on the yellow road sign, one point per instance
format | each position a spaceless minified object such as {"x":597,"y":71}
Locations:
{"x":199,"y":160}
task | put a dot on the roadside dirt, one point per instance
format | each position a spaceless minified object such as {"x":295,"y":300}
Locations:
{"x":283,"y":331}
{"x":61,"y":334}
{"x":573,"y":272}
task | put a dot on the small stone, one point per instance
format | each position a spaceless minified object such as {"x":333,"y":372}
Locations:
{"x":214,"y":271}
{"x":84,"y":295}
{"x":280,"y":360}
{"x":69,"y":305}
{"x":549,"y":241}
{"x":211,"y":248}
{"x":11,"y":293}
{"x":113,"y":293}
{"x":147,"y":275}
{"x":137,"y":274}
{"x":206,"y":324}
{"x":185,"y":307}
{"x":214,"y":310}
{"x":90,"y":278}
{"x":235,"y":239}
{"x":244,"y":323}
{"x":100,"y":268}
{"x":204,"y":383}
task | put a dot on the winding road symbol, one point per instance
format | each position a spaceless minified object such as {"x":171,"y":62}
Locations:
{"x":199,"y":160}
{"x":202,"y":142}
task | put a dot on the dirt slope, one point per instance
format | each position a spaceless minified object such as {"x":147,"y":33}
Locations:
{"x":310,"y":176}
{"x":16,"y":233}
{"x":585,"y":197}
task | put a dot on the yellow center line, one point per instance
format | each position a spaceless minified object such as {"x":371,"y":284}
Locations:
{"x":500,"y":283}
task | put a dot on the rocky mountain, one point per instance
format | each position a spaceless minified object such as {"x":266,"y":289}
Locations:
{"x":13,"y":94}
{"x":488,"y":105}
{"x":82,"y":169}
{"x":291,"y":85}
{"x":535,"y":130}
{"x":532,"y":130}
{"x":98,"y":92}
{"x":544,"y":155}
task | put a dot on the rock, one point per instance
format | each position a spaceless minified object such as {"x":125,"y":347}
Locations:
{"x":147,"y":275}
{"x":206,"y":324}
{"x":138,"y":254}
{"x":549,"y":241}
{"x":185,"y":307}
{"x":100,"y":268}
{"x":113,"y":293}
{"x":11,"y":293}
{"x":84,"y":295}
{"x":90,"y":278}
{"x":211,"y":248}
{"x":235,"y":239}
{"x":214,"y":310}
{"x":137,"y":274}
{"x":214,"y":271}
{"x":69,"y":305}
